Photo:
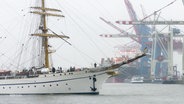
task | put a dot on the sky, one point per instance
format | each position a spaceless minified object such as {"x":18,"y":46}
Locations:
{"x":81,"y":23}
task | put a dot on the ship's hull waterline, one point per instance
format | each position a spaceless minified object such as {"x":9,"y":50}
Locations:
{"x":82,"y":82}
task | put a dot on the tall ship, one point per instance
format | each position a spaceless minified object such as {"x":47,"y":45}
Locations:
{"x":45,"y":79}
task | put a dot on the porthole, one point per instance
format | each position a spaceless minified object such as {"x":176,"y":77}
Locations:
{"x":35,"y":86}
{"x":57,"y":85}
{"x":3,"y":87}
{"x":43,"y":85}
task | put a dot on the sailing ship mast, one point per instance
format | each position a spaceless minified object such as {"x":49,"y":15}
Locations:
{"x":43,"y":12}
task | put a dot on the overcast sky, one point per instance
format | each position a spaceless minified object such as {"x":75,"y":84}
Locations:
{"x":81,"y":23}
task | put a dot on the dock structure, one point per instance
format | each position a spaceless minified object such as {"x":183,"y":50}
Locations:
{"x":160,"y":45}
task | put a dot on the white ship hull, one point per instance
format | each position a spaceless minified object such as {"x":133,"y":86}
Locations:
{"x":82,"y":82}
{"x":87,"y":81}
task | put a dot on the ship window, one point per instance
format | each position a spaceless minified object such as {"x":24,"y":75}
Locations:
{"x":56,"y":84}
{"x":60,"y":74}
{"x":22,"y":87}
{"x":3,"y":87}
{"x":9,"y":87}
{"x":53,"y":74}
{"x":43,"y":85}
{"x":35,"y":86}
{"x":28,"y":86}
{"x":50,"y":85}
{"x":17,"y":86}
{"x":45,"y":76}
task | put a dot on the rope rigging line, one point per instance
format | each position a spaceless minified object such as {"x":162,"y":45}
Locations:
{"x":83,"y":53}
{"x":8,"y":59}
{"x":84,"y":31}
{"x":75,"y":64}
{"x":59,"y":37}
{"x":15,"y":38}
{"x":19,"y":55}
{"x":102,"y":13}
{"x":72,"y":45}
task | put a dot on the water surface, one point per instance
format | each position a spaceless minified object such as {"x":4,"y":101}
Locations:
{"x":111,"y":93}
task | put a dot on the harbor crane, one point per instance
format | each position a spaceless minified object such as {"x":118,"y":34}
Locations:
{"x":144,"y":36}
{"x":156,"y":38}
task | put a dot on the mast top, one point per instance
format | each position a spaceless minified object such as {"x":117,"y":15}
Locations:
{"x":43,"y":12}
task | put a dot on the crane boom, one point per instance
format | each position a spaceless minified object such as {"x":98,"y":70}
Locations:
{"x":117,"y":28}
{"x":151,"y":22}
{"x":123,"y":35}
{"x":114,"y":26}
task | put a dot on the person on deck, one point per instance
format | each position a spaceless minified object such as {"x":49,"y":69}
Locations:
{"x":53,"y":70}
{"x":95,"y":65}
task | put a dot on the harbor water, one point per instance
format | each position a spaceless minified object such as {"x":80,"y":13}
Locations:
{"x":111,"y":93}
